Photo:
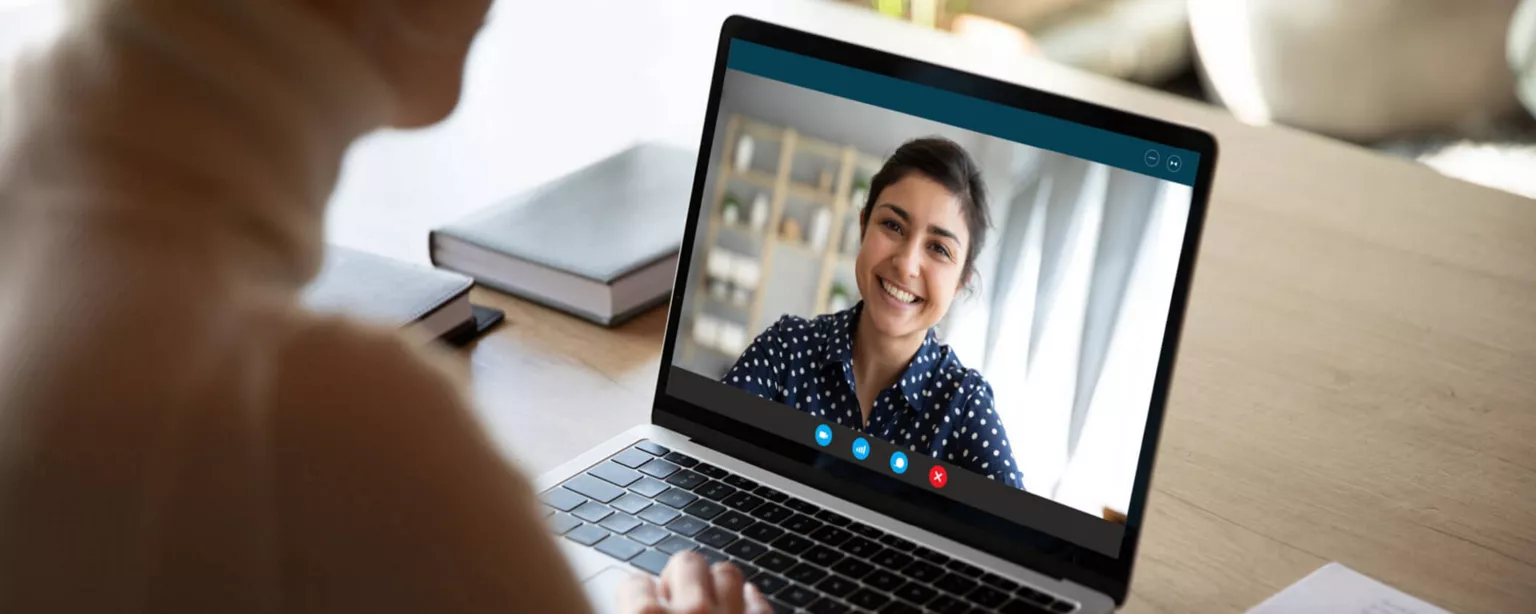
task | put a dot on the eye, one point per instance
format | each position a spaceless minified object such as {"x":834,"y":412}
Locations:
{"x":891,"y":225}
{"x":941,"y":249}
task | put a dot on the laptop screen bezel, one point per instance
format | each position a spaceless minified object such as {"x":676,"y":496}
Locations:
{"x":803,"y":463}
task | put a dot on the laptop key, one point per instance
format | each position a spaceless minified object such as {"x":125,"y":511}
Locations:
{"x":743,"y":501}
{"x":828,"y":605}
{"x":676,"y":544}
{"x":897,"y":607}
{"x":802,"y":524}
{"x":587,"y":534}
{"x":562,"y":499}
{"x":563,"y":523}
{"x":630,"y":503}
{"x":715,"y":537}
{"x":948,"y":604}
{"x":735,"y":521}
{"x":1062,"y":606}
{"x":704,"y":509}
{"x":767,"y":492}
{"x":712,"y":556}
{"x":830,"y":535}
{"x":659,"y":468}
{"x":987,"y":597}
{"x":652,"y":561}
{"x":1028,"y":594}
{"x":775,"y":561}
{"x":768,"y":584}
{"x":853,"y":568}
{"x":915,"y":593}
{"x":859,"y":546}
{"x":659,"y":514}
{"x":710,"y":471}
{"x":772,"y":512}
{"x":865,"y":530}
{"x":955,"y":584}
{"x":762,"y":532}
{"x":780,"y":607}
{"x":806,"y":573}
{"x":883,"y":580}
{"x":631,"y":458}
{"x":891,"y":559}
{"x":681,"y":459}
{"x":1019,"y":606}
{"x":652,"y":448}
{"x":1001,"y":583}
{"x":592,"y":512}
{"x":615,"y":474}
{"x":797,"y":595}
{"x":923,"y":572}
{"x":620,"y":548}
{"x":593,"y":488}
{"x":739,"y":482}
{"x":746,"y":550}
{"x":687,"y":526}
{"x":898,"y":543}
{"x":647,"y":534}
{"x":823,"y":556}
{"x":867,"y":599}
{"x":803,"y":507}
{"x":715,"y":490}
{"x":833,"y":518}
{"x":686,"y":480}
{"x":648,"y":487}
{"x":965,"y":569}
{"x":620,"y":523}
{"x":793,"y":544}
{"x":675,"y":497}
{"x":837,"y":586}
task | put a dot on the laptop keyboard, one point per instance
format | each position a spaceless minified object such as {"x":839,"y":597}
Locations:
{"x":645,"y":504}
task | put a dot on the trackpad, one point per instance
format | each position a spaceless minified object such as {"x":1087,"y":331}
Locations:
{"x":602,"y":589}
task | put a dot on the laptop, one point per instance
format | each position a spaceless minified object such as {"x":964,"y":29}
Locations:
{"x":1006,"y":466}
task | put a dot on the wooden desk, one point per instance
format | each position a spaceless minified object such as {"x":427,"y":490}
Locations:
{"x":1358,"y":375}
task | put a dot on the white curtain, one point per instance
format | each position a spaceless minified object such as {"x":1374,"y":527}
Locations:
{"x":1068,"y":319}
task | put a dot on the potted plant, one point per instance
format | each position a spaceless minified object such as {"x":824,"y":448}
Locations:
{"x":730,"y":209}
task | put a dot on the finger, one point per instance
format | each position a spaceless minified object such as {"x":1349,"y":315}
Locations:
{"x":728,"y":591}
{"x":755,"y":602}
{"x":688,"y":585}
{"x":637,"y":595}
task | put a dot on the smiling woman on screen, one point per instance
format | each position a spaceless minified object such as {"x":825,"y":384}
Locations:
{"x":878,"y":367}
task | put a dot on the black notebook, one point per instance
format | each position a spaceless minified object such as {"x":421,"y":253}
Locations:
{"x":394,"y":293}
{"x":600,"y":243}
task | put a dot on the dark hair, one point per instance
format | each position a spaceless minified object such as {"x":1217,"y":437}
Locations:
{"x":947,"y":163}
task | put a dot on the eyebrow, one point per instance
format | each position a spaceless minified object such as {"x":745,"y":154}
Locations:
{"x":907,"y":217}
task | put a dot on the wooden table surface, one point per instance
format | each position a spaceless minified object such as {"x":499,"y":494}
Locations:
{"x":1358,"y":374}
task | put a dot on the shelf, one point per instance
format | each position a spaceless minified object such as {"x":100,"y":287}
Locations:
{"x":761,"y":179}
{"x":740,"y":228}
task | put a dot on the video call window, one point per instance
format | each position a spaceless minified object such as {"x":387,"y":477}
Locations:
{"x":991,"y":305}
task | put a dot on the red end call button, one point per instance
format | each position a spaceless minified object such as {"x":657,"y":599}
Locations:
{"x":937,"y":477}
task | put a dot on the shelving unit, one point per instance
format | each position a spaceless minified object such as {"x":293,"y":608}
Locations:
{"x":806,"y":175}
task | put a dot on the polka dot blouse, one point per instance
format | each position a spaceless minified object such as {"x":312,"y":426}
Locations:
{"x":937,"y":407}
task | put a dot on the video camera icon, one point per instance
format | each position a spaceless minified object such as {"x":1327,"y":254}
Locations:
{"x":823,"y":435}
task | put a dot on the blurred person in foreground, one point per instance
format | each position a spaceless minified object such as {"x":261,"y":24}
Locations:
{"x":176,"y":433}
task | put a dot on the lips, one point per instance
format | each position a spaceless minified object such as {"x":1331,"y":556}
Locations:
{"x":899,"y":294}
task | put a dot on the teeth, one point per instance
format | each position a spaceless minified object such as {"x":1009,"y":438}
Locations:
{"x":905,"y":297}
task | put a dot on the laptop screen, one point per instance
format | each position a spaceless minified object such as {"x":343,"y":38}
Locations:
{"x":965,"y":296}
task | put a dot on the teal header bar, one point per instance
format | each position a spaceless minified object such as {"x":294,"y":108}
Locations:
{"x":1002,"y":121}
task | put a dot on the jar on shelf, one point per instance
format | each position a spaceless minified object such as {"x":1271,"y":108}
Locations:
{"x":821,"y":225}
{"x":744,"y":147}
{"x":760,"y":207}
{"x":745,"y":274}
{"x":730,"y":209}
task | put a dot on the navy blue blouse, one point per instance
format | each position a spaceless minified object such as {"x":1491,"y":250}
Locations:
{"x":938,"y":407}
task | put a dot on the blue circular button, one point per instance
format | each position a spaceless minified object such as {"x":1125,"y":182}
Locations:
{"x":823,"y":435}
{"x":860,"y":448}
{"x":898,"y":462}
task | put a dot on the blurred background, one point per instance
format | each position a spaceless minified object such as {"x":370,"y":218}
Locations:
{"x":1065,"y":319}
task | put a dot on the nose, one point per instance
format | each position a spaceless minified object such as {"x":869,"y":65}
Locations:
{"x":908,"y":260}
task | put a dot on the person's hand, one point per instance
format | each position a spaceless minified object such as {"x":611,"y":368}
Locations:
{"x":689,"y":585}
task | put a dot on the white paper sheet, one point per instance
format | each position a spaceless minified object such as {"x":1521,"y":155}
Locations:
{"x":1336,"y":589}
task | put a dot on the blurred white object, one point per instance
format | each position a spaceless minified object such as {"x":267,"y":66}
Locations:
{"x":821,"y":226}
{"x":992,"y":36}
{"x":1336,"y":589}
{"x":744,"y":147}
{"x":1522,"y":54}
{"x":733,"y":338}
{"x":760,"y":211}
{"x":706,"y":331}
{"x":851,"y":237}
{"x":1357,"y":70}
